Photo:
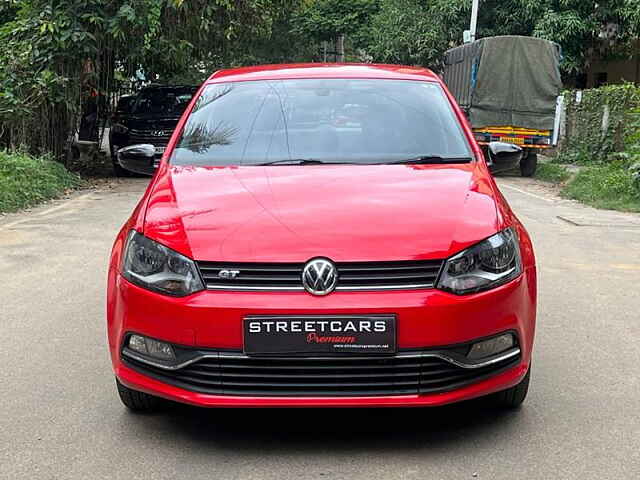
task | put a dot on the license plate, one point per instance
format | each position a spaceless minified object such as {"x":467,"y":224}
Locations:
{"x":359,"y":335}
{"x":160,"y":150}
{"x":516,"y":140}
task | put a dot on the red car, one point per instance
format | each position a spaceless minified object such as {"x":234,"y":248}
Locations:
{"x":322,"y":235}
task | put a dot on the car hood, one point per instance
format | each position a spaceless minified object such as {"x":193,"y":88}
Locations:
{"x":343,"y":212}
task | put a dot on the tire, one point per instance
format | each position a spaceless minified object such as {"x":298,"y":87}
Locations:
{"x":513,"y":397}
{"x":138,"y":402}
{"x":118,"y":171}
{"x":529,"y":164}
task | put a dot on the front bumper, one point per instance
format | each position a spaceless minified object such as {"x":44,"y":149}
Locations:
{"x":427,"y":320}
{"x":137,"y":381}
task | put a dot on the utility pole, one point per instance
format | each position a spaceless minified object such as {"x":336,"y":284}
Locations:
{"x":474,"y":19}
{"x":341,"y":49}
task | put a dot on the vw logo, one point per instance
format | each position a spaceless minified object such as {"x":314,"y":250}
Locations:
{"x":319,"y":276}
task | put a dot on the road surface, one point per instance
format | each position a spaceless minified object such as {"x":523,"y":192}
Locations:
{"x":60,"y":417}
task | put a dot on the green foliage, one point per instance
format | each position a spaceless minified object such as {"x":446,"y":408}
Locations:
{"x":26,"y":180}
{"x":56,"y":56}
{"x":326,"y":19}
{"x":608,"y":186}
{"x":415,"y":32}
{"x":586,"y":142}
{"x":632,"y":135}
{"x":611,"y":176}
{"x":419,"y":31}
{"x":577,"y":25}
{"x":552,"y":172}
{"x":574,"y":26}
{"x":510,"y":17}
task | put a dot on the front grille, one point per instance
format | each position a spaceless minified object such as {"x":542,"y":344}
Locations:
{"x":148,"y":136}
{"x":408,"y":373}
{"x":351,"y":275}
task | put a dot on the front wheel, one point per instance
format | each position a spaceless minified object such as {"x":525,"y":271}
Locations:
{"x":138,"y":402}
{"x":118,"y":171}
{"x":529,"y":164}
{"x":513,"y":397}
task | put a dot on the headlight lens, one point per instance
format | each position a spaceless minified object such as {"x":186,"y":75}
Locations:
{"x":156,"y":267}
{"x":488,"y":264}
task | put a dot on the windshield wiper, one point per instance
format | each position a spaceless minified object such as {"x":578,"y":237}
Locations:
{"x":301,"y":161}
{"x":422,"y":159}
{"x":432,"y":160}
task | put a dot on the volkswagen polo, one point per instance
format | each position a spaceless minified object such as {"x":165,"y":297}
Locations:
{"x":322,"y":235}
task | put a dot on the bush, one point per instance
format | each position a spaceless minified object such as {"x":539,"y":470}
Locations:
{"x":611,"y":157}
{"x":613,"y":186}
{"x":615,"y":107}
{"x":26,"y":180}
{"x":635,"y":174}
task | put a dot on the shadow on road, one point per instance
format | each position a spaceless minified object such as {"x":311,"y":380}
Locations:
{"x":285,"y":430}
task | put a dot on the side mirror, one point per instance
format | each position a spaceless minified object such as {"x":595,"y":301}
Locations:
{"x":504,"y":156}
{"x":138,"y":158}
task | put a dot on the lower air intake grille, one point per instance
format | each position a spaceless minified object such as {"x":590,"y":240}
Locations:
{"x":351,"y":275}
{"x":226,"y":373}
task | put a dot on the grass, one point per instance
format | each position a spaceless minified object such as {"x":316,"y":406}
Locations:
{"x":551,"y":172}
{"x":607,"y":186}
{"x":26,"y":180}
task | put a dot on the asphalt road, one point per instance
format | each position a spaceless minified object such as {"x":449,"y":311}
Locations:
{"x":60,"y":416}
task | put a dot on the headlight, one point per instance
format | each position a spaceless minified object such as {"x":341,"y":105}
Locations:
{"x":490,"y":263}
{"x":156,"y":267}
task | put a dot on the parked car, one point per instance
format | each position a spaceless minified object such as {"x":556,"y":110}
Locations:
{"x":509,"y":86}
{"x":149,"y":117}
{"x":322,"y":235}
{"x":123,"y":108}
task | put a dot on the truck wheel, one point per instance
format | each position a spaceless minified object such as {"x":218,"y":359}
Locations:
{"x":512,"y":397}
{"x":139,"y":402}
{"x":529,"y":164}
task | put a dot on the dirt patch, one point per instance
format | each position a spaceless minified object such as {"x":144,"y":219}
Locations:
{"x":533,"y":185}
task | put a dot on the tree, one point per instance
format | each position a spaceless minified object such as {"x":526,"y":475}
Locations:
{"x":57,"y":56}
{"x":319,"y":21}
{"x":416,"y":32}
{"x":419,"y":31}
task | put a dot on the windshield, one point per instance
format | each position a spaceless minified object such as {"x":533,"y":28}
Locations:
{"x":125,"y":103}
{"x":320,"y":120}
{"x":163,"y":101}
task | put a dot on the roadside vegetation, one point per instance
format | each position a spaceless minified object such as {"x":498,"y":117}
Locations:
{"x":603,"y":139}
{"x":614,"y":185}
{"x":552,"y":172}
{"x":606,"y":186}
{"x":26,"y":180}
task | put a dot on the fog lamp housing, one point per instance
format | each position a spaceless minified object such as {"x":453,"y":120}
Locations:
{"x":491,"y":346}
{"x":151,"y":348}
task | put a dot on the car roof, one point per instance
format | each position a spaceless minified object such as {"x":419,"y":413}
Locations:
{"x":323,"y":70}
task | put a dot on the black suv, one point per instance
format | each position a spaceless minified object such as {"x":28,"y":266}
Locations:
{"x":149,"y":118}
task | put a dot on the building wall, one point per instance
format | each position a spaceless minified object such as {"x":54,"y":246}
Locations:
{"x":615,"y":71}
